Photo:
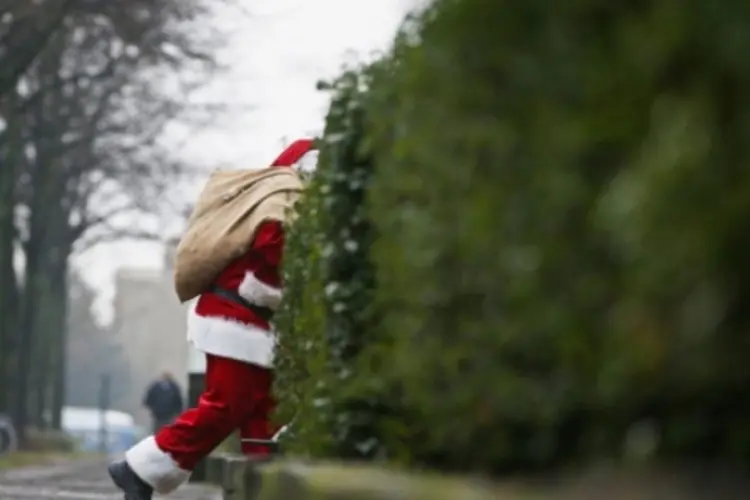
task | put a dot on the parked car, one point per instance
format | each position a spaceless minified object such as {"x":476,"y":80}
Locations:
{"x":90,"y":426}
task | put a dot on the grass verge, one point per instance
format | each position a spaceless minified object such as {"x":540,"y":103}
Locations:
{"x":34,"y":458}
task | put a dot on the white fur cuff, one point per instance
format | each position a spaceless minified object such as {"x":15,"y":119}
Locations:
{"x":155,"y":467}
{"x":256,"y":292}
{"x":229,"y":338}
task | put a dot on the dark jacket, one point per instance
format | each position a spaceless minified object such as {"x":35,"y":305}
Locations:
{"x":164,"y":399}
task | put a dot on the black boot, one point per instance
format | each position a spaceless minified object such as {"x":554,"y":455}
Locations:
{"x":127,"y":480}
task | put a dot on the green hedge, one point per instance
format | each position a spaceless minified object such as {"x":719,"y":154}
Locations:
{"x":327,"y":315}
{"x":560,"y":193}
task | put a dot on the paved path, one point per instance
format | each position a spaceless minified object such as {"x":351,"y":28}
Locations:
{"x":77,"y":481}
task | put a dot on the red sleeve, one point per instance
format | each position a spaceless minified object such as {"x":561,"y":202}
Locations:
{"x":269,"y":243}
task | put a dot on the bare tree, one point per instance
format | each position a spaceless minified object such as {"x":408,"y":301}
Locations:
{"x":87,"y":115}
{"x":25,"y":30}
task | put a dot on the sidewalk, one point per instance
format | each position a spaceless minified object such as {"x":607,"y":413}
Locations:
{"x":82,"y":480}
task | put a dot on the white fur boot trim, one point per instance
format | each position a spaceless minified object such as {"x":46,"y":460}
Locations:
{"x":155,"y":467}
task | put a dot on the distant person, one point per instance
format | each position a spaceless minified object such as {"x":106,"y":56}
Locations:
{"x":164,"y":400}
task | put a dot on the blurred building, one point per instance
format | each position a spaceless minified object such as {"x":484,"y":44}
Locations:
{"x":149,"y":325}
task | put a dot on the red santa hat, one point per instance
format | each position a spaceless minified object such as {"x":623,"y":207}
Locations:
{"x":294,"y":153}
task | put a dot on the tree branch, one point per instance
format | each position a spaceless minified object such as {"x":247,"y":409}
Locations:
{"x":26,"y":40}
{"x":113,"y":234}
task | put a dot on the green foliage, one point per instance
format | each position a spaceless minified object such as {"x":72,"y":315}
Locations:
{"x":301,"y":371}
{"x":328,"y":317}
{"x":559,"y":253}
{"x":560,"y":194}
{"x":47,"y":440}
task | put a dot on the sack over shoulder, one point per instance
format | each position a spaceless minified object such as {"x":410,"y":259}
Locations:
{"x":228,"y":212}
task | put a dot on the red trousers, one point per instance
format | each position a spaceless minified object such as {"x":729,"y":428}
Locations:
{"x":237,"y":395}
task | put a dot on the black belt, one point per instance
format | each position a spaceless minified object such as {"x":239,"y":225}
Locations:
{"x":264,"y":312}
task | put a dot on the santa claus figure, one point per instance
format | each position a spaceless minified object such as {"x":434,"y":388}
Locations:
{"x":229,"y":260}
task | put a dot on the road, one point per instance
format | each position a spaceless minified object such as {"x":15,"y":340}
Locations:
{"x":85,"y":480}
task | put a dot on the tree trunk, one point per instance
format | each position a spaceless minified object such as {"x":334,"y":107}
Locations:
{"x":37,"y":299}
{"x":57,"y":315}
{"x":8,"y":291}
{"x":8,"y":280}
{"x":44,"y":336}
{"x":45,"y":296}
{"x":7,"y":275}
{"x":44,"y":217}
{"x":48,"y":299}
{"x":59,"y":351}
{"x":26,"y":372}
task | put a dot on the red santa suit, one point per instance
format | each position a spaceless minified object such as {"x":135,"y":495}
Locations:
{"x":239,"y":345}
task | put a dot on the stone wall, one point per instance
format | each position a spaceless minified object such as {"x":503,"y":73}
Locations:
{"x":244,"y":480}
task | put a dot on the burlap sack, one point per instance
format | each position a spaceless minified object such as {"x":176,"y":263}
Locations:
{"x":228,"y":212}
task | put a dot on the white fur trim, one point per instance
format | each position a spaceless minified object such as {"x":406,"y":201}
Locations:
{"x":256,"y":292}
{"x":230,"y":338}
{"x":155,"y":466}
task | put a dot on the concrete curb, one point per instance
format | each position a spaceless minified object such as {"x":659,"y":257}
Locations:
{"x":241,"y":479}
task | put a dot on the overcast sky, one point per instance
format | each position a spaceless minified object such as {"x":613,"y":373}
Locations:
{"x":278,"y":50}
